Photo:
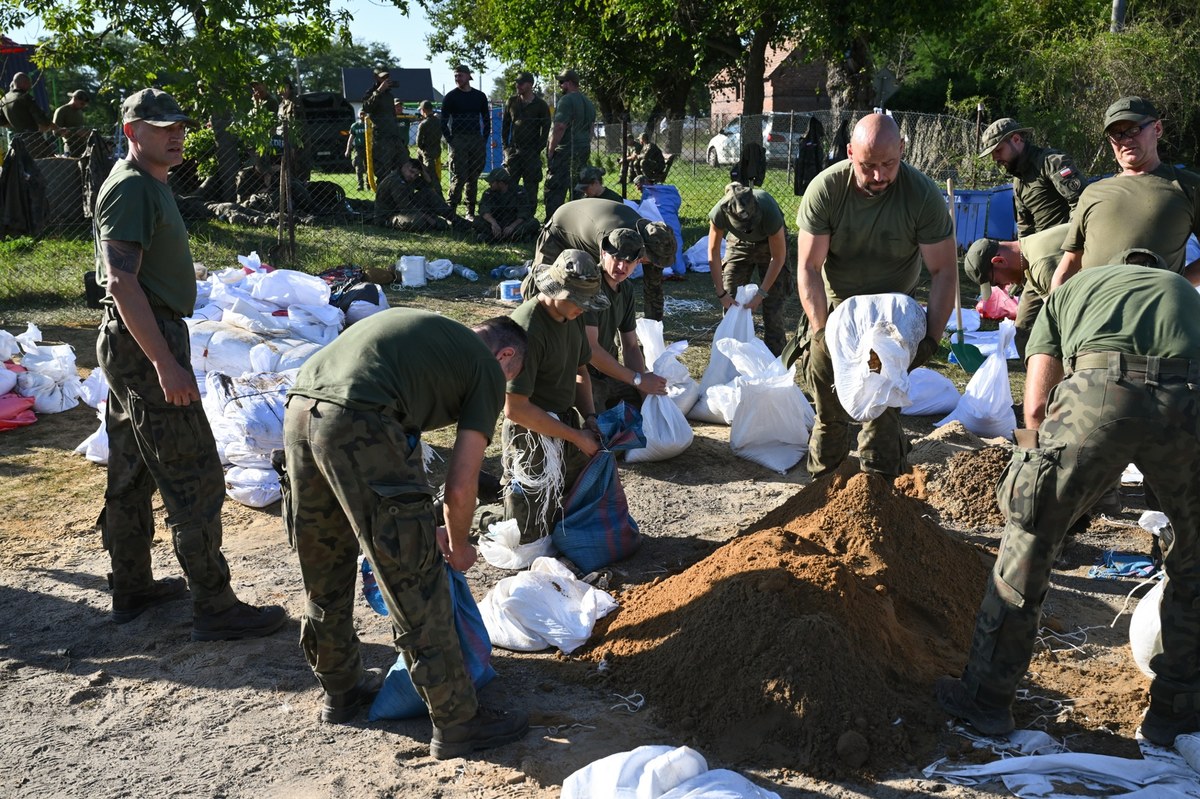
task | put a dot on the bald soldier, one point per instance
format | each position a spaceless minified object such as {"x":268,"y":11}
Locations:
{"x":865,"y":226}
{"x":1046,"y":182}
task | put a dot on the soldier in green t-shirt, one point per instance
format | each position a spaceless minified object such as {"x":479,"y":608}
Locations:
{"x":866,"y":224}
{"x":1112,"y":376}
{"x":613,"y":331}
{"x":552,"y":397}
{"x":1148,"y":204}
{"x":1030,"y":261}
{"x":158,"y":435}
{"x":757,"y":241}
{"x":69,"y":119}
{"x":570,"y":142}
{"x":1046,"y":182}
{"x":355,"y":481}
{"x":523,"y":131}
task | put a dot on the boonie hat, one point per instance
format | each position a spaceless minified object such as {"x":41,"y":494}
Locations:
{"x":740,"y":204}
{"x":977,"y":263}
{"x":383,"y":72}
{"x":499,"y":175}
{"x":1130,"y":109}
{"x":659,"y":240}
{"x":624,"y":243}
{"x":425,"y":106}
{"x":155,"y":107}
{"x":573,"y":276}
{"x":997,"y":132}
{"x":462,"y":68}
{"x":587,"y":176}
{"x":569,"y":75}
{"x":1144,"y":257}
{"x":525,"y":77}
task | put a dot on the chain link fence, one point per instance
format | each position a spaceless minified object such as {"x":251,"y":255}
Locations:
{"x":307,"y":202}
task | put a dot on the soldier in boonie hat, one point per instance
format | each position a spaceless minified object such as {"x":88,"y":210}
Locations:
{"x":575,"y":277}
{"x":741,"y":206}
{"x":660,"y":241}
{"x":155,"y":107}
{"x":997,"y":132}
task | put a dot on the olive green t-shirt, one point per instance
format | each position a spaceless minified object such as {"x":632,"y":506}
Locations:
{"x":427,"y":370}
{"x":1042,"y":252}
{"x":766,"y":224}
{"x":555,"y":352}
{"x":68,"y":116}
{"x":874,"y":241}
{"x":1157,"y":211}
{"x":583,"y":224}
{"x":618,"y":317}
{"x":1125,"y":308}
{"x":579,"y":115}
{"x":133,"y":206}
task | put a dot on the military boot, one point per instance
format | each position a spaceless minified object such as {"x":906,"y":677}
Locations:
{"x":128,"y":606}
{"x":239,"y":621}
{"x":341,"y":708}
{"x":489,"y":728}
{"x":1162,"y":724}
{"x":953,"y":697}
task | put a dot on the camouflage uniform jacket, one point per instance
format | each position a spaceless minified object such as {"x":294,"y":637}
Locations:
{"x":1046,"y":187}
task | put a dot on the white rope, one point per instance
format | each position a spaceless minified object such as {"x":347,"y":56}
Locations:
{"x":428,"y":453}
{"x":548,"y":482}
{"x":1125,"y":606}
{"x":632,"y":703}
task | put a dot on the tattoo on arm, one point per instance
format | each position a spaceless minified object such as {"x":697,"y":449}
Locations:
{"x":122,"y":256}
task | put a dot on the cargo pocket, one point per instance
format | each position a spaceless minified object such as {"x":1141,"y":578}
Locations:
{"x":172,"y":432}
{"x":403,"y":534}
{"x":1026,"y":484}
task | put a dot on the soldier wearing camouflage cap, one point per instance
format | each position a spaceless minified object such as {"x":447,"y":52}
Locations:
{"x":1148,"y":204}
{"x":523,"y":131}
{"x":553,"y":395}
{"x":757,"y":243}
{"x":158,"y":434}
{"x":1112,"y":372}
{"x":504,"y":211}
{"x":69,"y":120}
{"x":1046,"y":182}
{"x":570,"y":142}
{"x":591,"y":184}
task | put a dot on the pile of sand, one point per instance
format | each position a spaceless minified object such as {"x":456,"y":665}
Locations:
{"x":811,"y":645}
{"x":965,"y":491}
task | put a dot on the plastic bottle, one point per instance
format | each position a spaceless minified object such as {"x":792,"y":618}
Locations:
{"x":514,"y":272}
{"x":497,"y":273}
{"x":371,"y":589}
{"x":463,"y":272}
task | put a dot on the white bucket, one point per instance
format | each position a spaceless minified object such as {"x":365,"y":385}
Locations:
{"x":412,"y":270}
{"x":510,"y":290}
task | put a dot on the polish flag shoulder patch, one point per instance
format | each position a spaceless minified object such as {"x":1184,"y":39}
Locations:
{"x":1066,"y":172}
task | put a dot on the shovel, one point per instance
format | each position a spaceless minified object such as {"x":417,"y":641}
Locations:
{"x":968,"y":355}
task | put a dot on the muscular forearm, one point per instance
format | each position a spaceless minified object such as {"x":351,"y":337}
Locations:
{"x":812,"y":296}
{"x":1042,"y":373}
{"x":1068,"y":266}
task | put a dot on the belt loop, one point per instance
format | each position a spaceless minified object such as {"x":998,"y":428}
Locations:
{"x":1152,"y":364}
{"x":1114,"y":366}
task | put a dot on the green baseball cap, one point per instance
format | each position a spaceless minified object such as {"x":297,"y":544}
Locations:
{"x":155,"y":107}
{"x":997,"y":132}
{"x":977,"y":263}
{"x":1130,"y":109}
{"x":574,"y":276}
{"x":525,"y":77}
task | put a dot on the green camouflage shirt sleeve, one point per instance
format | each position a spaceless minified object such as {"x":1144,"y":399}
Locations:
{"x":1066,"y":177}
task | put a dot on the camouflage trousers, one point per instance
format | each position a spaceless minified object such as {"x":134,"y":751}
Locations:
{"x":1028,"y":308}
{"x":744,"y":258}
{"x":882,"y":446}
{"x":525,"y":167}
{"x":522,"y":504}
{"x":523,"y":232}
{"x":358,"y":159}
{"x":1097,"y":421}
{"x":155,"y":444}
{"x":354,"y":481}
{"x":467,"y":151}
{"x":562,"y":172}
{"x":608,"y":391}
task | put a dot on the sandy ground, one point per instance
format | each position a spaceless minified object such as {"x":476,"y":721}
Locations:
{"x":93,"y":709}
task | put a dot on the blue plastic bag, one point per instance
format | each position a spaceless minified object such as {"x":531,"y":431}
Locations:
{"x":398,"y":699}
{"x":596,"y":528}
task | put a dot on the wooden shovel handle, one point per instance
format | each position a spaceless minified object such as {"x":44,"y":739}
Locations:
{"x":957,"y":287}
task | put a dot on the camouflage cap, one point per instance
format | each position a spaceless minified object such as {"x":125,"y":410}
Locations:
{"x":569,"y":75}
{"x":462,"y":69}
{"x":574,"y":276}
{"x":997,"y":132}
{"x":1130,"y":109}
{"x":740,"y":204}
{"x":624,"y":244}
{"x":524,"y":77}
{"x":1143,"y":257}
{"x":660,"y":241}
{"x":499,"y":175}
{"x":589,"y":175}
{"x":977,"y":263}
{"x":155,"y":107}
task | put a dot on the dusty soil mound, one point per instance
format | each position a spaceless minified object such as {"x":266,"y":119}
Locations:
{"x":809,"y":645}
{"x":966,"y":491}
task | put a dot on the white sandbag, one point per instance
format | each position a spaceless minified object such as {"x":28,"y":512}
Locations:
{"x":95,"y":446}
{"x":317,"y":323}
{"x":696,"y":256}
{"x":203,"y":294}
{"x":872,"y":339}
{"x":970,"y":321}
{"x":52,"y":379}
{"x":287,"y":287}
{"x":738,"y":324}
{"x":255,"y":488}
{"x":8,"y":381}
{"x":929,"y":393}
{"x":9,"y":346}
{"x":543,"y":607}
{"x":294,"y":357}
{"x":718,"y":784}
{"x":244,"y":315}
{"x":647,"y":771}
{"x":246,"y":415}
{"x":226,"y":294}
{"x":438,"y":269}
{"x":209,"y":312}
{"x":360,"y":309}
{"x":29,"y":339}
{"x":251,"y":262}
{"x":94,"y":388}
{"x":226,"y":348}
{"x":1145,"y":628}
{"x":986,"y":405}
{"x":664,"y":361}
{"x":772,"y":418}
{"x":501,"y":546}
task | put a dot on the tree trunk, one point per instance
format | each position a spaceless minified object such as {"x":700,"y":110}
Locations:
{"x":849,"y":79}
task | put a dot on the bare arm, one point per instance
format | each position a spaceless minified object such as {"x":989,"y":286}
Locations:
{"x":1192,"y":272}
{"x":942,"y":261}
{"x":634,"y":363}
{"x":715,"y":237}
{"x":520,"y":410}
{"x":556,"y":134}
{"x":1042,"y":373}
{"x":778,"y":246}
{"x":1068,"y":266}
{"x":122,"y":261}
{"x":811,"y":251}
{"x":462,"y":489}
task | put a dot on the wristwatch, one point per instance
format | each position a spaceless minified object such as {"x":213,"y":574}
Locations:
{"x":637,"y":379}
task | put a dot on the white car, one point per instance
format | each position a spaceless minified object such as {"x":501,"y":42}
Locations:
{"x":781,"y":136}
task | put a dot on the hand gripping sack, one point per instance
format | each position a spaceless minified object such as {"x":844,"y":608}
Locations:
{"x":872,"y":339}
{"x":596,"y":528}
{"x":664,"y":361}
{"x":986,"y":405}
{"x":738,"y":325}
{"x":398,"y":699}
{"x":663,"y":422}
